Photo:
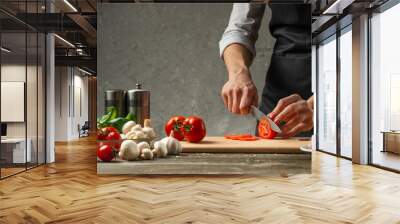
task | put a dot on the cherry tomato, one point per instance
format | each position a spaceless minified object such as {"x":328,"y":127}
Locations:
{"x":105,"y":153}
{"x":265,"y":130}
{"x":115,"y":138}
{"x":175,"y":124}
{"x":103,"y":132}
{"x":101,"y":143}
{"x":194,"y":129}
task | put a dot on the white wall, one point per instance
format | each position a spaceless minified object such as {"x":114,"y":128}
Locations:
{"x":70,"y":83}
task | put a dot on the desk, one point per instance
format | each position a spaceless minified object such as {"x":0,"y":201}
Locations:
{"x":13,"y":150}
{"x":391,"y":141}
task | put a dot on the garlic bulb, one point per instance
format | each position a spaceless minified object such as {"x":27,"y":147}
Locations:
{"x":136,"y":128}
{"x":147,"y":154}
{"x":174,"y":147}
{"x":143,"y":145}
{"x":149,"y":132}
{"x":128,"y":126}
{"x":160,"y":149}
{"x":128,"y":150}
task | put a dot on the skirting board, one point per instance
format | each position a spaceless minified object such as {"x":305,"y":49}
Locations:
{"x":213,"y":164}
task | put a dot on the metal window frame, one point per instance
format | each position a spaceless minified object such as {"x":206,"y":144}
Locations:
{"x":341,"y":28}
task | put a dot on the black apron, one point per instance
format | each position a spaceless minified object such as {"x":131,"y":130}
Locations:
{"x":290,"y":68}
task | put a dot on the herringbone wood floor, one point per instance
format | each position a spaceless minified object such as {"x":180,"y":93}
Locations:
{"x":70,"y":191}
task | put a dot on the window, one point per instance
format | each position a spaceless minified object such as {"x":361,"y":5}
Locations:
{"x":326,"y":95}
{"x":385,"y":89}
{"x":346,"y":92}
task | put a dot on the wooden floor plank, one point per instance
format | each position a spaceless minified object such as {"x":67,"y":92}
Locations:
{"x":70,"y":191}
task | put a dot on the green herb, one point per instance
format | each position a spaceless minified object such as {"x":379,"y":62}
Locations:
{"x":117,"y":123}
{"x":130,"y":117}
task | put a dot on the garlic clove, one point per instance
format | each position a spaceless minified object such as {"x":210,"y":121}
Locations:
{"x":137,"y":128}
{"x":147,"y":154}
{"x":139,"y":135}
{"x":143,"y":145}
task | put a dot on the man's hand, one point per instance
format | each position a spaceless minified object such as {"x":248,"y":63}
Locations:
{"x":296,"y":114}
{"x":239,"y":93}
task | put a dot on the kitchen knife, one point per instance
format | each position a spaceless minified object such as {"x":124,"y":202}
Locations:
{"x":257,"y":114}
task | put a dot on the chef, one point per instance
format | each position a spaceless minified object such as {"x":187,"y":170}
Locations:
{"x":286,"y":96}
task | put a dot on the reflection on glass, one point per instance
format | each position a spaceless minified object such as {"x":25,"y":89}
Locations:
{"x":15,"y":150}
{"x":327,"y":96}
{"x":385,"y":84}
{"x":345,"y":94}
{"x":31,"y":99}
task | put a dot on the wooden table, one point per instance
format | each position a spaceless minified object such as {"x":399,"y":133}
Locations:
{"x":218,"y":156}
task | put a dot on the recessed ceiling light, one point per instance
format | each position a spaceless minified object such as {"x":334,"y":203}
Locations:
{"x":64,"y":40}
{"x":70,"y":5}
{"x":337,"y":7}
{"x":84,"y":71}
{"x":5,"y":50}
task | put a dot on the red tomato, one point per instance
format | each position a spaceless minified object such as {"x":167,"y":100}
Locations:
{"x":175,"y":124}
{"x":194,"y":129}
{"x":105,"y":153}
{"x":265,"y":130}
{"x":103,"y":132}
{"x":115,"y":138}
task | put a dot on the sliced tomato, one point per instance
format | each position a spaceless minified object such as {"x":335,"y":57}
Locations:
{"x":265,"y":130}
{"x":242,"y":137}
{"x":252,"y":138}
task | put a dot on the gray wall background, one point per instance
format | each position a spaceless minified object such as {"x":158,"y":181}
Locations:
{"x":172,"y":49}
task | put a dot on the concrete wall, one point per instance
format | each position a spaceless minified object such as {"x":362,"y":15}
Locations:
{"x":172,"y":49}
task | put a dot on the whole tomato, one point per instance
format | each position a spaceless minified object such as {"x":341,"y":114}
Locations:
{"x":194,"y":129}
{"x":103,"y":132}
{"x":115,"y":138}
{"x":105,"y":153}
{"x":175,"y":124}
{"x":265,"y":130}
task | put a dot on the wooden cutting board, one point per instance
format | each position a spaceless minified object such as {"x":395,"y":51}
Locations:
{"x":222,"y":145}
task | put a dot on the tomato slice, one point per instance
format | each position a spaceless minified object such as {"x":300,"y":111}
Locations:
{"x":252,"y":138}
{"x":242,"y":137}
{"x":265,"y":130}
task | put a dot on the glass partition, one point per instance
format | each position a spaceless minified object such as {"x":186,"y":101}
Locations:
{"x":22,"y":93}
{"x":15,"y":150}
{"x":326,"y":95}
{"x":385,"y":89}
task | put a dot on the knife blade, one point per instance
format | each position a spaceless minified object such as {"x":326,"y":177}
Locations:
{"x":258,"y":114}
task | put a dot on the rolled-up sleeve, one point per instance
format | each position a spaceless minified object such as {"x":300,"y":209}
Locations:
{"x":244,"y":23}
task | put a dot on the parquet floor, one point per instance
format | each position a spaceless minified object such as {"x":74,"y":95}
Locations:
{"x":70,"y":191}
